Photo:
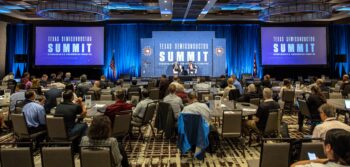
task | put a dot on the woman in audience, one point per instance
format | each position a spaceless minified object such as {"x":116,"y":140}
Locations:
{"x":229,"y":87}
{"x":286,"y":87}
{"x":251,"y":93}
{"x":99,"y":134}
{"x":337,"y":149}
{"x":315,"y":100}
{"x":36,"y":86}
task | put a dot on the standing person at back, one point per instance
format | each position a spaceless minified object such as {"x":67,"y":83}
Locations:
{"x":173,"y":100}
{"x":69,"y":111}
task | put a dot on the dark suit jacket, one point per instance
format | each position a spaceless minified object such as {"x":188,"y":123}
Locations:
{"x":263,"y":113}
{"x":247,"y":96}
{"x":163,"y":87}
{"x":313,"y":103}
{"x":134,"y":88}
{"x":51,"y":97}
{"x":266,"y":83}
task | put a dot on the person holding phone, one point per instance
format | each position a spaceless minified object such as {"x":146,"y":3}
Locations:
{"x":337,"y":149}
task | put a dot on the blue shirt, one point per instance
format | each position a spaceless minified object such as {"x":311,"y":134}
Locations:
{"x":35,"y":114}
{"x":15,"y":97}
{"x":238,"y":86}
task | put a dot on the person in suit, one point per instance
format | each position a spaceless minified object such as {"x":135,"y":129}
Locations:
{"x":258,"y":123}
{"x":192,"y":68}
{"x":315,"y":100}
{"x":223,"y":82}
{"x":177,"y":68}
{"x":266,"y":83}
{"x":51,"y":97}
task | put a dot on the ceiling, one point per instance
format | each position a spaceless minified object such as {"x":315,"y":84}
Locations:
{"x":184,"y":10}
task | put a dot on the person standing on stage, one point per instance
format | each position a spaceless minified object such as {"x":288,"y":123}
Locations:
{"x":177,"y":68}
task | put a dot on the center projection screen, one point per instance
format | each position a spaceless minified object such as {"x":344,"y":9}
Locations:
{"x":69,"y":46}
{"x":198,"y":53}
{"x":283,"y":46}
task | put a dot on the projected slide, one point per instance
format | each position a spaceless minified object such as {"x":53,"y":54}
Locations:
{"x":294,"y":45}
{"x":193,"y":53}
{"x":69,"y":46}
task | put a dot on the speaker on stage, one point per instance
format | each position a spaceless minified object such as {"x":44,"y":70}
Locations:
{"x":340,"y":58}
{"x":21,"y":58}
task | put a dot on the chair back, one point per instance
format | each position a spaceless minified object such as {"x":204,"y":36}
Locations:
{"x":108,"y":97}
{"x":93,"y":95}
{"x":201,"y":93}
{"x":15,"y":157}
{"x":57,"y":157}
{"x":151,"y":84}
{"x":154,"y":93}
{"x":130,"y":94}
{"x":335,"y":95}
{"x":232,"y":123}
{"x":275,"y":154}
{"x":96,"y":156}
{"x":19,"y":106}
{"x":255,"y":101}
{"x":233,"y":94}
{"x":19,"y":125}
{"x":121,"y":125}
{"x":149,"y":113}
{"x":288,"y":96}
{"x":273,"y":122}
{"x":316,"y":148}
{"x":304,"y":109}
{"x":346,"y":90}
{"x":56,"y":128}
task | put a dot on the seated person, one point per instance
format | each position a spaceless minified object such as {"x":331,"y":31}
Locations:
{"x":139,"y":111}
{"x":36,"y":87}
{"x":69,"y":111}
{"x":34,"y":113}
{"x":177,"y":68}
{"x":196,"y":107}
{"x":237,"y":84}
{"x":119,"y":106}
{"x":266,"y":83}
{"x":327,"y":114}
{"x":43,"y":81}
{"x":223,"y":82}
{"x":286,"y":87}
{"x":51,"y":98}
{"x":345,"y":82}
{"x":97,"y":90}
{"x":84,"y":86}
{"x":337,"y":149}
{"x":99,"y":134}
{"x":315,"y":100}
{"x":251,"y":93}
{"x":181,"y":93}
{"x":18,"y":96}
{"x":163,"y":86}
{"x":7,"y":77}
{"x":228,"y":88}
{"x":58,"y":83}
{"x":259,"y":121}
{"x":67,"y":78}
{"x":71,"y":87}
{"x":134,"y":88}
{"x":103,"y":82}
{"x":173,"y":100}
{"x":202,"y":85}
{"x":176,"y":81}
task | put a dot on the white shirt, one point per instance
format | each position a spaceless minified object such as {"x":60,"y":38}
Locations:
{"x":202,"y":87}
{"x":141,"y":107}
{"x":330,"y":123}
{"x":177,"y":84}
{"x":227,"y":90}
{"x":198,"y":108}
{"x":329,"y":164}
{"x":175,"y":102}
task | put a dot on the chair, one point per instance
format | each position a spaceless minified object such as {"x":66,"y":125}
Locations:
{"x":234,"y":94}
{"x":93,"y":95}
{"x":316,"y":148}
{"x":154,"y":93}
{"x":19,"y":106}
{"x":272,"y":126}
{"x":151,"y":84}
{"x":325,"y":94}
{"x":255,"y":101}
{"x":130,"y":94}
{"x":91,"y":156}
{"x":288,"y":99}
{"x":57,"y":157}
{"x":232,"y":126}
{"x":201,"y":93}
{"x":108,"y":97}
{"x":165,"y":120}
{"x":21,"y":130}
{"x":56,"y":129}
{"x":304,"y":110}
{"x":273,"y":155}
{"x":147,"y":118}
{"x":15,"y":157}
{"x":207,"y":97}
{"x":121,"y":126}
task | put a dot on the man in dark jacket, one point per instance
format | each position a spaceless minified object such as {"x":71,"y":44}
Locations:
{"x":51,"y":97}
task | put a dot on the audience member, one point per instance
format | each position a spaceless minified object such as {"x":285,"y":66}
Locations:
{"x":176,"y":81}
{"x":41,"y":100}
{"x":25,"y":78}
{"x":173,"y":100}
{"x":52,"y":77}
{"x":69,"y":111}
{"x":34,"y":113}
{"x":251,"y":93}
{"x":196,"y":107}
{"x":103,"y":82}
{"x":99,"y":134}
{"x":84,"y":86}
{"x":18,"y":96}
{"x":345,"y":81}
{"x":71,"y":87}
{"x":315,"y":100}
{"x":336,"y":148}
{"x":228,"y":88}
{"x":163,"y":86}
{"x":51,"y":98}
{"x":266,"y":83}
{"x":7,"y":77}
{"x":43,"y":81}
{"x":223,"y":82}
{"x":36,"y":87}
{"x":58,"y":83}
{"x":181,"y":93}
{"x":258,"y":123}
{"x":327,"y":114}
{"x":118,"y":107}
{"x":201,"y":85}
{"x":134,"y":88}
{"x":139,"y":111}
{"x":237,"y":84}
{"x":286,"y":87}
{"x":97,"y":90}
{"x":67,"y":78}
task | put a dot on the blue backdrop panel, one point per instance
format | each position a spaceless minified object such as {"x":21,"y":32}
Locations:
{"x":219,"y":56}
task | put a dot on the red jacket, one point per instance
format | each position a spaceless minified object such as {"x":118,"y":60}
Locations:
{"x":116,"y":109}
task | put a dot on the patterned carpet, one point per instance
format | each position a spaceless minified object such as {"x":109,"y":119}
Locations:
{"x":162,"y":152}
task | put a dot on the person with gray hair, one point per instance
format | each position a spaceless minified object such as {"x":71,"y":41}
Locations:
{"x":84,"y":86}
{"x":327,"y":114}
{"x":258,"y":123}
{"x":251,"y":93}
{"x":67,"y":78}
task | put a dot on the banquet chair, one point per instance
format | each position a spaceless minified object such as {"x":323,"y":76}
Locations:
{"x":154,"y":94}
{"x":288,"y":99}
{"x":21,"y":131}
{"x":16,"y":156}
{"x":92,"y":156}
{"x":304,"y":110}
{"x":57,"y":156}
{"x":147,"y":119}
{"x":56,"y":129}
{"x":307,"y":147}
{"x":121,"y":126}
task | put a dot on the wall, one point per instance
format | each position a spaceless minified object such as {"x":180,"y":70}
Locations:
{"x":2,"y":48}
